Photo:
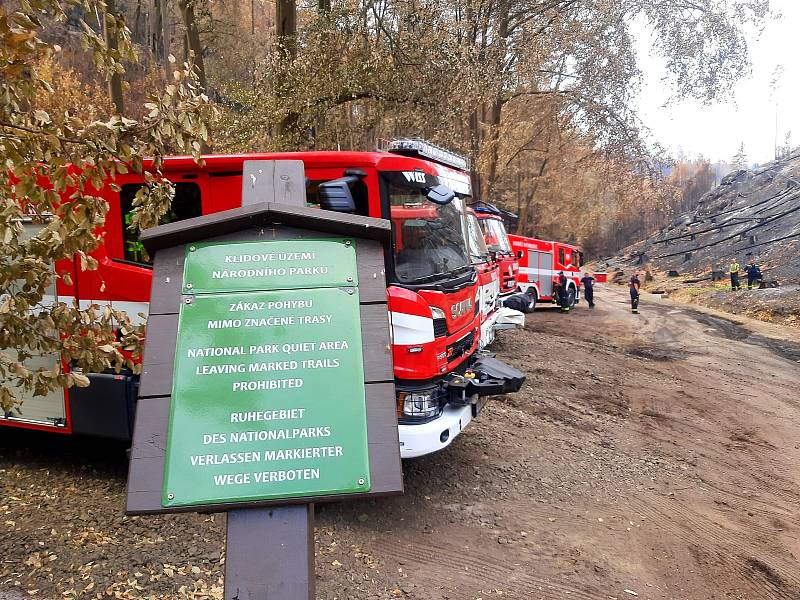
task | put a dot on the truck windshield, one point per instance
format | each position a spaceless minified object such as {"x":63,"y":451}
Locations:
{"x":478,"y":253}
{"x":429,"y":239}
{"x":495,"y":235}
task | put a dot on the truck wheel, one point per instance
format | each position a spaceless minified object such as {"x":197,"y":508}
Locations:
{"x":530,"y":296}
{"x":571,"y":297}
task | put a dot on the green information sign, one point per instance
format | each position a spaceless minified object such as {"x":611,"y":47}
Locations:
{"x":245,"y":266}
{"x":268,"y":394}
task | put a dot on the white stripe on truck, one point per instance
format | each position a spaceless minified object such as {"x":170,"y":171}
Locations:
{"x":553,"y":272}
{"x":409,"y":330}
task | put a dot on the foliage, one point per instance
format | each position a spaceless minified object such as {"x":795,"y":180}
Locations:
{"x":540,"y":93}
{"x":58,"y":144}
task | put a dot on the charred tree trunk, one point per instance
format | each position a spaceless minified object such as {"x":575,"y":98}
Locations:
{"x":490,"y":147}
{"x":285,"y":32}
{"x":159,"y":44}
{"x":526,"y":208}
{"x":138,"y":34}
{"x":115,"y":81}
{"x":475,"y":146}
{"x":193,"y":48}
{"x":494,"y":111}
{"x":193,"y":40}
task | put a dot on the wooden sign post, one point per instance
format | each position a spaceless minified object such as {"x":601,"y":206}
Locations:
{"x":267,"y":380}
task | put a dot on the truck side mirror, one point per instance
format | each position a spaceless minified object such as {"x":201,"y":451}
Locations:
{"x":336,"y":195}
{"x":520,"y":254}
{"x":439,"y":194}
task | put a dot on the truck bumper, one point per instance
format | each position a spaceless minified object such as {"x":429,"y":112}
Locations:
{"x":426,"y":438}
{"x":465,"y":399}
{"x":491,"y":378}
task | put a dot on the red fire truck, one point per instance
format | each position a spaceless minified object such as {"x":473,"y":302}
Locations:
{"x":432,"y":287}
{"x":496,"y":237}
{"x":540,"y":263}
{"x":488,"y":270}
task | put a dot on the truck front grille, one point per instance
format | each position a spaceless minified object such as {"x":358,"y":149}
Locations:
{"x":461,"y":347}
{"x":440,"y":328}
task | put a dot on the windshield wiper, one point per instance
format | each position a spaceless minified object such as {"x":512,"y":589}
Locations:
{"x":426,"y":278}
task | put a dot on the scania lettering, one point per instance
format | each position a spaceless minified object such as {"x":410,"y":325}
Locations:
{"x":432,"y":289}
{"x":461,"y":308}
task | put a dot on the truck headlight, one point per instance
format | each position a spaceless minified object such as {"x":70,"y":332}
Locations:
{"x":417,"y":405}
{"x":439,"y":322}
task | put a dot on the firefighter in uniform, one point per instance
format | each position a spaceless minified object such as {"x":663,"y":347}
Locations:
{"x":588,"y":288}
{"x":753,"y":275}
{"x":557,"y":290}
{"x":563,"y":299}
{"x":634,"y":284}
{"x":734,"y":271}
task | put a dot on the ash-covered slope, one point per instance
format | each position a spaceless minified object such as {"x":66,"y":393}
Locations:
{"x":749,"y":216}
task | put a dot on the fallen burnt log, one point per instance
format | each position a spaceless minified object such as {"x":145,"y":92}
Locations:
{"x":698,"y":279}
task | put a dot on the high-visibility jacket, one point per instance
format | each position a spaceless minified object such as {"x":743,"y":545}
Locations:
{"x":734,"y":267}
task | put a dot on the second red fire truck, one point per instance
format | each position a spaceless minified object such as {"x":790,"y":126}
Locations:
{"x":497,"y":241}
{"x":488,"y":271}
{"x":434,"y":297}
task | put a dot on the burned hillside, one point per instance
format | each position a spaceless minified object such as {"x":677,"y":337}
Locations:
{"x":751,"y":215}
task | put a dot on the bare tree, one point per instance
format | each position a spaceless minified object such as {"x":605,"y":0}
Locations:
{"x":193,"y":40}
{"x":285,"y":36}
{"x":115,"y":78}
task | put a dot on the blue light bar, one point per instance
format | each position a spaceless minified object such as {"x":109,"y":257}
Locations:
{"x":417,"y":147}
{"x":487,"y":209}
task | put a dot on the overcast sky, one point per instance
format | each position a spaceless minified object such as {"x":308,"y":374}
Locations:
{"x":716,"y":131}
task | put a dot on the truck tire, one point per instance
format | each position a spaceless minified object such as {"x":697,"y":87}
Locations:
{"x":530,"y":295}
{"x":571,"y":297}
{"x":532,"y":304}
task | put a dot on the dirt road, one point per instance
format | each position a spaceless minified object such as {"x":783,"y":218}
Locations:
{"x":651,"y":456}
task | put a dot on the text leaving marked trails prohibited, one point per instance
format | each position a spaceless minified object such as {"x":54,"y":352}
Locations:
{"x":268,"y":397}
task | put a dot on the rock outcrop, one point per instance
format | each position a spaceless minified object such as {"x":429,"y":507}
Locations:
{"x":751,"y":215}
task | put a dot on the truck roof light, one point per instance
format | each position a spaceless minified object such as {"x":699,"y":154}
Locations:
{"x":487,"y":209}
{"x":418,"y":147}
